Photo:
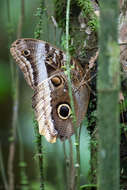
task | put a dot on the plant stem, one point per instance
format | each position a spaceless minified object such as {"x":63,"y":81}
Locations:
{"x":88,"y":185}
{"x":77,"y":164}
{"x":71,"y":168}
{"x":3,"y":170}
{"x":66,"y":166}
{"x":39,"y":154}
{"x":39,"y":145}
{"x":108,"y":98}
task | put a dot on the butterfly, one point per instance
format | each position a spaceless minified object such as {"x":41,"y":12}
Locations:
{"x":43,"y":66}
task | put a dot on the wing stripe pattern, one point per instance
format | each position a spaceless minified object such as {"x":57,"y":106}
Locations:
{"x":35,"y":72}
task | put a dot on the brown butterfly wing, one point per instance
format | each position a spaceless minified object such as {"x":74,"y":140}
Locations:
{"x":42,"y":64}
{"x":30,"y":54}
{"x":60,"y":97}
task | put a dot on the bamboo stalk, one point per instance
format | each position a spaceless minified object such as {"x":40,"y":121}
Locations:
{"x":71,"y":168}
{"x":39,"y":145}
{"x":108,"y":98}
{"x":66,"y":166}
{"x":39,"y":154}
{"x":88,"y":186}
{"x":68,"y":68}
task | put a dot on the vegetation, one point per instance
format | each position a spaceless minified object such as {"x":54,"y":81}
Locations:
{"x":92,"y":158}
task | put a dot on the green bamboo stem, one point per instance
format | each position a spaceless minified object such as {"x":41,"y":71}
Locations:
{"x":66,"y":166}
{"x":71,"y":168}
{"x":39,"y":154}
{"x":68,"y":69}
{"x":88,"y":185}
{"x":38,"y":137}
{"x":108,"y":98}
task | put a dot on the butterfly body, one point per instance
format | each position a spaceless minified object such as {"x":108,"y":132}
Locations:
{"x":43,"y":68}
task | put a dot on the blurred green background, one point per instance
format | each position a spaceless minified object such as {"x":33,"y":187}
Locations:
{"x":54,"y":163}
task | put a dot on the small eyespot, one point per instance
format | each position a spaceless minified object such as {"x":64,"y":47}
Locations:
{"x":64,"y":111}
{"x":56,"y":81}
{"x":26,"y":52}
{"x":18,"y":41}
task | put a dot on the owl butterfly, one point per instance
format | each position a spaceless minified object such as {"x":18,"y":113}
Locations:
{"x":42,"y":66}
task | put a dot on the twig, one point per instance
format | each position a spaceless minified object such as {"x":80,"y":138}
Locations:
{"x":55,"y":27}
{"x":54,"y":21}
{"x":86,"y":83}
{"x":2,"y":169}
{"x":93,"y":59}
{"x":122,"y":44}
{"x":77,"y":165}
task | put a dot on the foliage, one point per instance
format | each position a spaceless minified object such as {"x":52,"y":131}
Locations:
{"x":60,"y":12}
{"x":54,"y":164}
{"x":78,"y":6}
{"x":40,"y":15}
{"x":88,"y":12}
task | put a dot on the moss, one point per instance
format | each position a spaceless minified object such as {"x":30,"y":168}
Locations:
{"x":39,"y":27}
{"x":87,"y":6}
{"x":94,"y":24}
{"x":82,"y":46}
{"x":88,"y":12}
{"x":60,"y":11}
{"x":77,"y":5}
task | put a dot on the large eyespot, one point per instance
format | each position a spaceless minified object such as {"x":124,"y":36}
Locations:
{"x":56,"y":81}
{"x":26,"y":52}
{"x":64,"y":111}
